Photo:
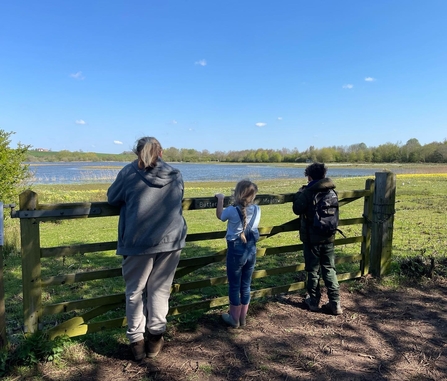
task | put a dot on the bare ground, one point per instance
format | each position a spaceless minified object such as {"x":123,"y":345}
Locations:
{"x":383,"y":334}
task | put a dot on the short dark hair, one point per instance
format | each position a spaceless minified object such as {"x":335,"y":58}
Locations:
{"x":316,"y":170}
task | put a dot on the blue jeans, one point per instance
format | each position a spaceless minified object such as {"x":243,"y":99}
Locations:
{"x":241,"y":259}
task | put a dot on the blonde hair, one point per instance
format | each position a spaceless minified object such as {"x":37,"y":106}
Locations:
{"x":244,"y":195}
{"x":148,"y":150}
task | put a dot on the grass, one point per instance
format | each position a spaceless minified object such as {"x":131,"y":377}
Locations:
{"x":419,"y":232}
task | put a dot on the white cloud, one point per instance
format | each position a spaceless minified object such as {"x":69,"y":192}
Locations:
{"x":77,"y":76}
{"x":348,"y":86}
{"x":370,"y":79}
{"x":200,"y":62}
{"x":117,"y":142}
{"x":80,"y":121}
{"x":174,"y":122}
{"x":279,"y":117}
{"x":260,"y":124}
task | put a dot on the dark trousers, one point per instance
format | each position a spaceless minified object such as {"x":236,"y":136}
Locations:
{"x":320,"y":260}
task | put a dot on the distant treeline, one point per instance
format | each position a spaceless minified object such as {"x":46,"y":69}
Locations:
{"x":410,"y":152}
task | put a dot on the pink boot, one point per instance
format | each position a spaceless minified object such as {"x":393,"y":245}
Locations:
{"x":232,"y":318}
{"x":242,"y":318}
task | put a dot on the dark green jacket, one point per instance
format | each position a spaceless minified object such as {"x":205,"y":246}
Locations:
{"x":302,"y":206}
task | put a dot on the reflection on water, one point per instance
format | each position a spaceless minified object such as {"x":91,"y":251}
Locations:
{"x":105,"y":172}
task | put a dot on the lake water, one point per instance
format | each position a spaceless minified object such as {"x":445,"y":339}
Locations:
{"x":105,"y":172}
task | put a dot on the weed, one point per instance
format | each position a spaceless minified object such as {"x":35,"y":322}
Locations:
{"x":31,"y":350}
{"x":37,"y":347}
{"x":3,"y":361}
{"x":207,"y":369}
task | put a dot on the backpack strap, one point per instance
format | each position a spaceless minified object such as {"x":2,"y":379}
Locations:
{"x":253,"y":217}
{"x":341,"y":232}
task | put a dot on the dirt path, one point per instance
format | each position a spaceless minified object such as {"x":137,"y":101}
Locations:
{"x":383,"y":334}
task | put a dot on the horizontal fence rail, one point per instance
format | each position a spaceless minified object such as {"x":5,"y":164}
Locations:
{"x":31,"y":213}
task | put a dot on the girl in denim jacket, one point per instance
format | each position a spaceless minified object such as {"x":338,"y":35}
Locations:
{"x":242,"y":234}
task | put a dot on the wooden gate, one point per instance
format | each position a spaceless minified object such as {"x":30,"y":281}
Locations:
{"x":375,"y":255}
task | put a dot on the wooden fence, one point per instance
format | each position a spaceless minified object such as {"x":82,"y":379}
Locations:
{"x":375,"y":254}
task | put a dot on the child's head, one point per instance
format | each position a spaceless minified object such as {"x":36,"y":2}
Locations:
{"x":316,"y":171}
{"x":148,"y":150}
{"x":245,"y":193}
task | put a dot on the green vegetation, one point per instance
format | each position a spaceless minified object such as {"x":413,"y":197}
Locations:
{"x":12,"y":172}
{"x":410,"y":152}
{"x":419,"y":251}
{"x":35,"y":155}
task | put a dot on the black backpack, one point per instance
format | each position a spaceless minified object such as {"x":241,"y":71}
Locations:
{"x":325,"y":212}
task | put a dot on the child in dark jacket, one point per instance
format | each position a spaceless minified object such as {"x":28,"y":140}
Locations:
{"x":318,"y":247}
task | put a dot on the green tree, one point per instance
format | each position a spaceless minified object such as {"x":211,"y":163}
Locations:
{"x":275,"y":157}
{"x":411,"y":151}
{"x":13,"y":172}
{"x":325,"y":155}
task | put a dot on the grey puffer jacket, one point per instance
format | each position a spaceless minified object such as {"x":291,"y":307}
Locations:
{"x":302,"y":206}
{"x":151,"y":219}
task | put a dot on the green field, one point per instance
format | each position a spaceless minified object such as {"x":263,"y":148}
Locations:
{"x":420,"y":222}
{"x":419,"y":234}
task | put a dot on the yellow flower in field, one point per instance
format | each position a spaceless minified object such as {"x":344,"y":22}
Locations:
{"x":420,"y":175}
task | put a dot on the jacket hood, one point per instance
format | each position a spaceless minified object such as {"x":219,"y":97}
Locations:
{"x":161,"y":175}
{"x":322,"y":185}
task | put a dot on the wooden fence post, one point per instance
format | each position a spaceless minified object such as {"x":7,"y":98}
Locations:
{"x":31,"y":268}
{"x":366,"y":228}
{"x":2,"y":286}
{"x":382,"y":223}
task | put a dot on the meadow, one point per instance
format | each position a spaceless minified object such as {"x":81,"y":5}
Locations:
{"x":419,"y":233}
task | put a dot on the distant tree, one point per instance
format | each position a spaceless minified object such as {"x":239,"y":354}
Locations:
{"x":171,"y":154}
{"x":219,"y":155}
{"x":189,"y":155}
{"x":90,"y":156}
{"x":435,"y":153}
{"x":275,"y":157}
{"x":250,"y":157}
{"x":64,"y":155}
{"x":261,"y":156}
{"x":358,"y":153}
{"x":387,"y":153}
{"x":290,"y":156}
{"x":325,"y":155}
{"x":411,"y":151}
{"x":206,"y":155}
{"x":13,"y":173}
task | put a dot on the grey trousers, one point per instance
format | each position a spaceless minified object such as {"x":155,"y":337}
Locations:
{"x":148,"y":287}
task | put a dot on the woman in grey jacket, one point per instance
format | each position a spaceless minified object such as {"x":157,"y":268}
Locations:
{"x":151,"y":234}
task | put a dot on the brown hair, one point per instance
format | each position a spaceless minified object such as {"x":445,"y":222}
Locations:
{"x":148,"y":150}
{"x":244,"y":195}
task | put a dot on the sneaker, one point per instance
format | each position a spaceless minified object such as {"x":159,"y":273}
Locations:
{"x":138,"y":350}
{"x":333,"y":307}
{"x":154,"y":343}
{"x":312,"y":304}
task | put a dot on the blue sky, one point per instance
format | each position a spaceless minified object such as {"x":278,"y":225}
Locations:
{"x":222,"y":75}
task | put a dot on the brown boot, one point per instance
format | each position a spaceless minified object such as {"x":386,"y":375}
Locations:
{"x":138,"y":350}
{"x":154,"y":343}
{"x":333,"y":308}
